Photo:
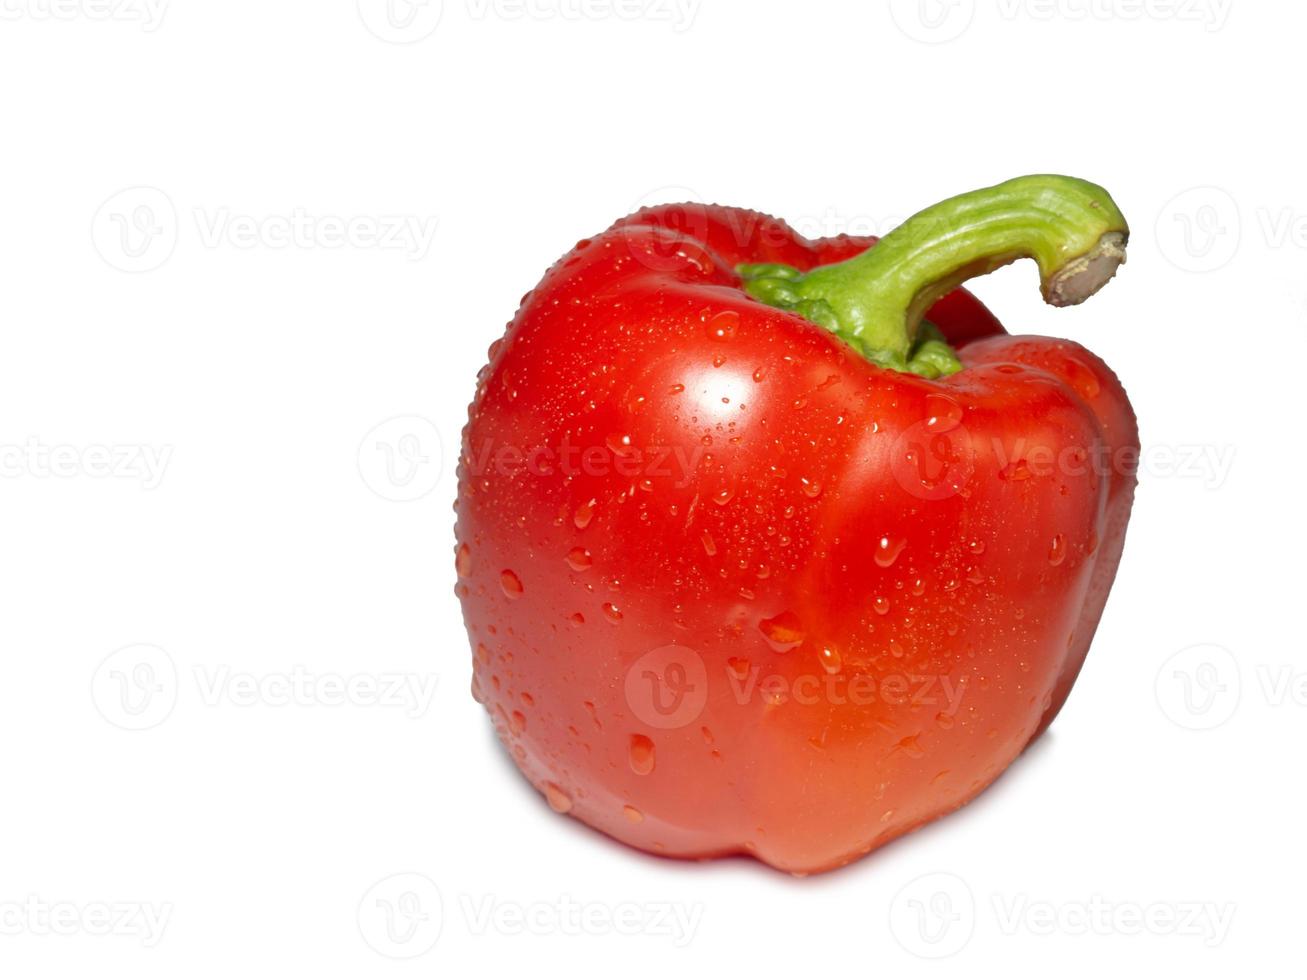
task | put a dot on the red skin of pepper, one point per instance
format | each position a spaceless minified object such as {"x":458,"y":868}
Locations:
{"x":918,"y":566}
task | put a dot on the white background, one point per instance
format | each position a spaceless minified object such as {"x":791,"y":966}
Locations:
{"x":193,"y":473}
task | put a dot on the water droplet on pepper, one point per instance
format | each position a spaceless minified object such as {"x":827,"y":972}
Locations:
{"x":783,"y":632}
{"x":722,"y":326}
{"x":888,"y":550}
{"x":642,"y":755}
{"x":585,"y":514}
{"x":510,"y":583}
{"x":943,"y":414}
{"x":558,"y":800}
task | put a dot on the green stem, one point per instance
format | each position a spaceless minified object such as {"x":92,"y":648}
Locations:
{"x":877,"y":300}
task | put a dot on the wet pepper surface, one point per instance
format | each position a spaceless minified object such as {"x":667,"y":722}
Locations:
{"x":785,"y":547}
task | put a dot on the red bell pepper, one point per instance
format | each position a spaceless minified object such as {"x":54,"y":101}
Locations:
{"x":784,"y":547}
